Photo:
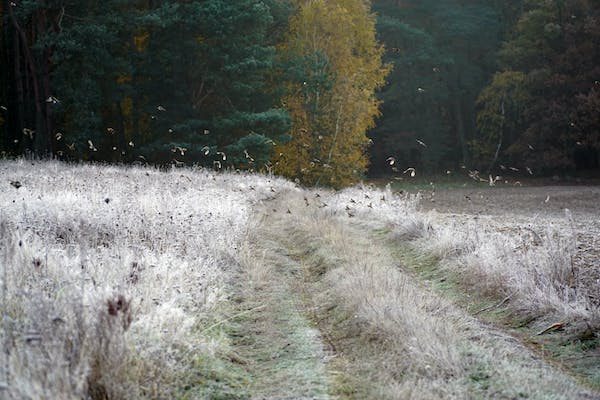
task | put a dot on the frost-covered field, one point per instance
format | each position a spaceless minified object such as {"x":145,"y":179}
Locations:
{"x":544,"y":260}
{"x":136,"y":283}
{"x":111,"y":275}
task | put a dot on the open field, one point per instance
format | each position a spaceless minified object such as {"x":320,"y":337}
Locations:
{"x":135,"y":283}
{"x":572,"y":212}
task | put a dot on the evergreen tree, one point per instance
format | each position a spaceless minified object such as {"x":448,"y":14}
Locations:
{"x":159,"y":81}
{"x":208,"y":93}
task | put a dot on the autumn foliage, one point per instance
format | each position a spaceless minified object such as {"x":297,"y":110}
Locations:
{"x":337,"y":68}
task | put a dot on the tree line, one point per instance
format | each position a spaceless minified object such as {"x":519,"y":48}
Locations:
{"x":318,"y":91}
{"x":272,"y":85}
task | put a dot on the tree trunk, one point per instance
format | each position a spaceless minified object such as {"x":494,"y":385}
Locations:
{"x":459,"y":121}
{"x":41,"y":89}
{"x":19,"y":106}
{"x":499,"y":141}
{"x":460,"y":128}
{"x":39,"y":144}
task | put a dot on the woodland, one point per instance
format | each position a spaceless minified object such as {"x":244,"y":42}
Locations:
{"x":321,"y":92}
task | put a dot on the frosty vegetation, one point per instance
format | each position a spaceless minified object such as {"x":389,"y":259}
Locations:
{"x":119,"y":282}
{"x":111,"y":274}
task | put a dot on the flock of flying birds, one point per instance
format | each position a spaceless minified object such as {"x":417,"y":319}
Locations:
{"x":473,"y":174}
{"x":180,"y":151}
{"x":177,"y":150}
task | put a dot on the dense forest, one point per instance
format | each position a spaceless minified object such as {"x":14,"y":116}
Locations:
{"x":318,"y":91}
{"x":491,"y":85}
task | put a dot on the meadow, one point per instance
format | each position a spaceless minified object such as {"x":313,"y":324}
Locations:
{"x":140,"y":283}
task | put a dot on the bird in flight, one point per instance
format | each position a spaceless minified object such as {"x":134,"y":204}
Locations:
{"x":412,"y":172}
{"x":180,"y":150}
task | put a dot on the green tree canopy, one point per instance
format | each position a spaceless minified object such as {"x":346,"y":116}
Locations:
{"x":442,"y":52}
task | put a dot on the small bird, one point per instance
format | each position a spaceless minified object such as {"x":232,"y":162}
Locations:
{"x":58,"y":136}
{"x":412,"y":172}
{"x":16,"y":184}
{"x":206,"y":150}
{"x":161,"y":108}
{"x":420,"y":90}
{"x":391,"y":160}
{"x":492,"y":181}
{"x":110,"y":130}
{"x":180,"y":150}
{"x":421,"y":142}
{"x":91,"y":146}
{"x":131,"y":144}
{"x":28,"y":132}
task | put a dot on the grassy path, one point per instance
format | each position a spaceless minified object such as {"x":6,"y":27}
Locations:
{"x":283,"y":351}
{"x":329,"y":311}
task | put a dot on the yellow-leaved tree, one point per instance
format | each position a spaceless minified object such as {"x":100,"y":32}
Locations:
{"x":336,"y":65}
